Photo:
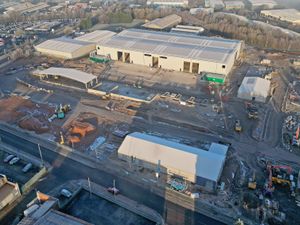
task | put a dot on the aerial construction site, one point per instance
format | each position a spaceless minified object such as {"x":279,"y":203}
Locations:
{"x":192,"y":127}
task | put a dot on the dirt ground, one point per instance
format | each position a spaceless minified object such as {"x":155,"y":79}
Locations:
{"x":25,"y":113}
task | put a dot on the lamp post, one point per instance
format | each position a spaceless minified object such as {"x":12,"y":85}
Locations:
{"x":41,"y":155}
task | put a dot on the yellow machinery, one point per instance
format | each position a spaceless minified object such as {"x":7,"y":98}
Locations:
{"x":237,"y":126}
{"x":252,"y":182}
{"x":62,"y":139}
{"x":281,"y":181}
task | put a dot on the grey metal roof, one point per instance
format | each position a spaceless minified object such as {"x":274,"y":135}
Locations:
{"x":173,"y":44}
{"x":184,"y":158}
{"x":165,"y":22}
{"x":71,"y":74}
{"x":96,"y":36}
{"x":63,"y":44}
{"x":54,"y":217}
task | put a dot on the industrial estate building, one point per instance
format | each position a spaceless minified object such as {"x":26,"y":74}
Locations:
{"x":262,"y":3}
{"x":234,"y":5}
{"x":95,"y":36}
{"x":86,"y":79}
{"x":215,"y":4}
{"x":254,"y":88}
{"x":172,"y":51}
{"x":163,"y":23}
{"x":288,"y":15}
{"x":173,"y":3}
{"x":65,"y":48}
{"x":188,"y":29}
{"x":198,"y":166}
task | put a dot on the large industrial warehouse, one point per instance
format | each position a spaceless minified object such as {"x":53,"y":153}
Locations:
{"x":67,"y":48}
{"x":172,"y":51}
{"x":198,"y":166}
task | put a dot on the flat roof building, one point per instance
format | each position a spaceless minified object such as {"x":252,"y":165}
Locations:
{"x":262,"y":3}
{"x":194,"y":11}
{"x":42,"y":211}
{"x":216,"y":4}
{"x":88,"y":80}
{"x":172,"y":3}
{"x":188,"y":29}
{"x":96,"y":36}
{"x":288,"y":15}
{"x":65,"y":48}
{"x":190,"y":163}
{"x":254,"y":88}
{"x":163,"y":23}
{"x":54,"y":217}
{"x":234,"y":5}
{"x":173,"y":51}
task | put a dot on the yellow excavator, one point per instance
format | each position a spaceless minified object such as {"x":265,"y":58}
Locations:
{"x":238,"y":126}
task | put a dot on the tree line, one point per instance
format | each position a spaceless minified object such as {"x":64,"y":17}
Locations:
{"x":256,"y":34}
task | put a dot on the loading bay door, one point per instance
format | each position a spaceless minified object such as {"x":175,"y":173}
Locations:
{"x":186,"y":66}
{"x":155,"y":62}
{"x":120,"y":56}
{"x":127,"y":57}
{"x":195,"y":68}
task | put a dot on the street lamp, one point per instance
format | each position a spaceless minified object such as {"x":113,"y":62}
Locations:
{"x":41,"y":155}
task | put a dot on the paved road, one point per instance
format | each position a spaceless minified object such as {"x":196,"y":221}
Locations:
{"x":65,"y":169}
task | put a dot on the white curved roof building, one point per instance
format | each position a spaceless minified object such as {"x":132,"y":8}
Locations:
{"x":194,"y":164}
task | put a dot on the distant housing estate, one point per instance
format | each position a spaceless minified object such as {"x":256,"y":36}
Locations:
{"x":27,"y":7}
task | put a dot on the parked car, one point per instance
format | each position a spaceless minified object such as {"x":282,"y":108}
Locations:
{"x":27,"y":167}
{"x":113,"y":190}
{"x":14,"y":160}
{"x":8,"y":158}
{"x":66,"y":193}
